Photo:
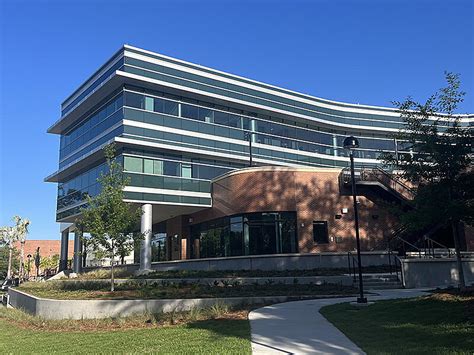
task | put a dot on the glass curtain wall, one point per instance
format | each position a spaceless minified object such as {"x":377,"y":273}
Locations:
{"x":246,"y":234}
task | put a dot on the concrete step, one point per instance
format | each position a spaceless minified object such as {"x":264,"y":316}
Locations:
{"x":379,"y":281}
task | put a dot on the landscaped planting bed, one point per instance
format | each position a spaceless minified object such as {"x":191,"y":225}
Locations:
{"x":173,"y":274}
{"x":163,"y":290}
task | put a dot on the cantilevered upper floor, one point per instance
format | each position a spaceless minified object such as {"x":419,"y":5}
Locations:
{"x":178,"y":125}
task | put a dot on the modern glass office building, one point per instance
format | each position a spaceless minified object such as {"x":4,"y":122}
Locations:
{"x":177,"y":126}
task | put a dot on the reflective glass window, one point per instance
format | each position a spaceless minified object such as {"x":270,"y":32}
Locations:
{"x":148,"y":166}
{"x":133,"y":164}
{"x":186,"y":170}
{"x":149,"y":104}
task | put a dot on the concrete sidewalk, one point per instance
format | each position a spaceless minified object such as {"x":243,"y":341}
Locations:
{"x":299,"y":328}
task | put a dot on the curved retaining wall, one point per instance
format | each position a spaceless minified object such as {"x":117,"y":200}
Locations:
{"x":94,"y":309}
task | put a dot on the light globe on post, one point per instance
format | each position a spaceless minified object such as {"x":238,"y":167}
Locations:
{"x":352,"y":143}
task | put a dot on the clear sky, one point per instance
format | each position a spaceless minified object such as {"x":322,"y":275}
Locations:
{"x":368,"y":52}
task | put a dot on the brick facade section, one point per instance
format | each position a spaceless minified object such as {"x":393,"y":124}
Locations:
{"x":315,"y":196}
{"x":47,"y":247}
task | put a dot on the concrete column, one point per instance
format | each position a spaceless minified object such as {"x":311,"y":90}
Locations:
{"x":77,"y":261}
{"x":253,"y":128}
{"x":64,"y":249}
{"x":146,"y":230}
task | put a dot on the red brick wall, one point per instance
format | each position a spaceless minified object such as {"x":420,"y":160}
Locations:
{"x":314,"y":195}
{"x":47,"y":247}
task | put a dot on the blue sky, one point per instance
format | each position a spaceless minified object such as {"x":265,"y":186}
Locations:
{"x":368,"y":52}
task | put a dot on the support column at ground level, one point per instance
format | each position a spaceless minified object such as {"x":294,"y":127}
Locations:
{"x":146,"y":230}
{"x":77,"y":261}
{"x":64,"y":249}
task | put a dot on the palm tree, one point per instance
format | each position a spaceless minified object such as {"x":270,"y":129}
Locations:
{"x":21,"y":230}
{"x":8,"y":236}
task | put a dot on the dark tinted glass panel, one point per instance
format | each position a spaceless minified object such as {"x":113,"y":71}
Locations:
{"x":320,"y":232}
{"x":134,"y":100}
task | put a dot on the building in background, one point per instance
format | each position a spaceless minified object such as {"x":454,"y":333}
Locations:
{"x":184,"y":135}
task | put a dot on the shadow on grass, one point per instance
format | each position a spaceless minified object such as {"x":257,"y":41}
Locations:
{"x":235,"y":328}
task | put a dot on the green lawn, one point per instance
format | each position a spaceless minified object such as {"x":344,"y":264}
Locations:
{"x":222,"y":336}
{"x":438,"y":324}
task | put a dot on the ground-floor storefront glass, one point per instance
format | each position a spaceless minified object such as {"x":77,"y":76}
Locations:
{"x":245,"y":234}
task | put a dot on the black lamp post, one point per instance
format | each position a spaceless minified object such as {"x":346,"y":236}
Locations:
{"x":248,"y":136}
{"x":352,"y":143}
{"x":29,"y":265}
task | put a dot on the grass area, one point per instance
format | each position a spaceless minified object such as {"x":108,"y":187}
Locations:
{"x":442,"y":323}
{"x":200,"y":274}
{"x":195,"y":332}
{"x":164,"y":290}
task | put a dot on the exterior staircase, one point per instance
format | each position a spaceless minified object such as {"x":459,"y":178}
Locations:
{"x":379,"y":281}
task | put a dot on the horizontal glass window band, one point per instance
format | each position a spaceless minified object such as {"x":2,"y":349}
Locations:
{"x":167,"y":182}
{"x":275,"y":129}
{"x":138,"y":196}
{"x":116,"y":132}
{"x":249,"y":92}
{"x":95,"y":84}
{"x":90,"y":134}
{"x":173,"y":168}
{"x":68,"y":213}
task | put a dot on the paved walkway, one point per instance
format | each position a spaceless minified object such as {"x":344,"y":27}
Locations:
{"x":299,"y":328}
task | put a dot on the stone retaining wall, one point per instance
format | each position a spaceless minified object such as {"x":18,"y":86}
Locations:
{"x":268,"y":262}
{"x":435,"y":272}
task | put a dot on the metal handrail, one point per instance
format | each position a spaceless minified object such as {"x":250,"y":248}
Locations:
{"x":404,"y":241}
{"x":391,"y":176}
{"x":431,"y":248}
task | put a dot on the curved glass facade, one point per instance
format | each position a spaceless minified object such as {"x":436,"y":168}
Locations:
{"x":179,"y":125}
{"x":245,"y":234}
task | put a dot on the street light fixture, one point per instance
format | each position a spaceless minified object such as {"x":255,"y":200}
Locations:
{"x":352,"y":143}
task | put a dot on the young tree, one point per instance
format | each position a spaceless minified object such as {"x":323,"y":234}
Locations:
{"x":439,"y":163}
{"x":110,"y":221}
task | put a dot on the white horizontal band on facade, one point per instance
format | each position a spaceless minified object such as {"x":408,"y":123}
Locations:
{"x":167,"y":203}
{"x":100,"y":147}
{"x":150,"y":190}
